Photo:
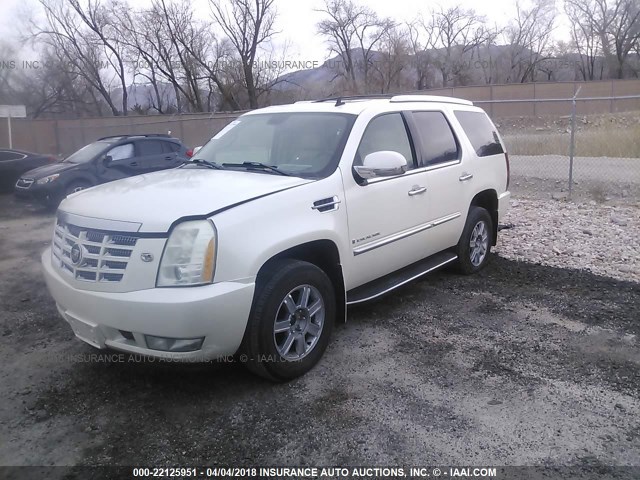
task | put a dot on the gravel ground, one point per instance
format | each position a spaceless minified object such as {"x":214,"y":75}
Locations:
{"x":522,"y":364}
{"x":604,"y":239}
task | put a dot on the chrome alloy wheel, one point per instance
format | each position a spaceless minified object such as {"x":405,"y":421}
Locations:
{"x":479,"y":243}
{"x":298,"y":323}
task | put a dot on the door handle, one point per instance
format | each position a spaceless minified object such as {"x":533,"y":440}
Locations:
{"x":417,"y":190}
{"x":465,"y":177}
{"x":133,"y":164}
{"x":168,"y":158}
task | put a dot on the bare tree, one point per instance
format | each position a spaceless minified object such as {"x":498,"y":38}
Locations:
{"x":79,"y":49}
{"x":528,"y":38}
{"x":101,"y":21}
{"x":394,"y":52}
{"x":456,"y":33}
{"x":353,"y":31}
{"x":419,"y":36}
{"x":249,"y":25}
{"x":584,"y":36}
{"x":618,"y":25}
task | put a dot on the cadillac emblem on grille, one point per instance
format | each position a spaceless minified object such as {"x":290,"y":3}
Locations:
{"x":76,"y":254}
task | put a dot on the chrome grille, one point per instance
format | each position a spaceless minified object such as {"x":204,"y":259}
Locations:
{"x":91,"y":255}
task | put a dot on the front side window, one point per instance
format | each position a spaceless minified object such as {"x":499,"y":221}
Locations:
{"x":121,"y":152}
{"x":481,"y":133}
{"x":301,"y":144}
{"x":87,"y":153}
{"x":386,"y":133}
{"x":439,"y":145}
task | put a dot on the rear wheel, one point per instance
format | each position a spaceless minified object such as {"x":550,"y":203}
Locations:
{"x":475,"y":243}
{"x":291,"y":320}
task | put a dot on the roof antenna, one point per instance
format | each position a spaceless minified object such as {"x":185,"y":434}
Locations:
{"x":339,"y":102}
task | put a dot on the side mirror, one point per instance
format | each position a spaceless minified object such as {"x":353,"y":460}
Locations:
{"x":382,"y":164}
{"x":107,"y":160}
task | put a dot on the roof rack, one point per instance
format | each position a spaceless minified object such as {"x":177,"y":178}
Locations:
{"x":164,"y":135}
{"x":340,"y":100}
{"x":396,"y":99}
{"x":429,"y":98}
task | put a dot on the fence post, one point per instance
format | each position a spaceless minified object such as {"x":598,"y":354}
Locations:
{"x":572,"y":146}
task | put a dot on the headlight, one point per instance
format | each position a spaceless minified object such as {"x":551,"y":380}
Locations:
{"x":189,"y":256}
{"x":49,"y":179}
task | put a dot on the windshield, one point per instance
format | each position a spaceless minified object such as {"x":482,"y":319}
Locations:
{"x":300,"y":144}
{"x":87,"y":153}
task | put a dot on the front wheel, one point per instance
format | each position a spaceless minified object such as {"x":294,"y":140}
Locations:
{"x":75,"y":187}
{"x":475,"y":243}
{"x":291,"y":320}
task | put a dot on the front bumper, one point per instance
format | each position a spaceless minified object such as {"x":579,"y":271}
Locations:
{"x":39,"y":192}
{"x":218,"y":312}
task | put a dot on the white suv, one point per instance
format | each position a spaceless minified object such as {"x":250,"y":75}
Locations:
{"x":284,"y":218}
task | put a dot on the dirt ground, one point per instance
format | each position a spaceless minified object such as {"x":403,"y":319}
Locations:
{"x":519,"y":365}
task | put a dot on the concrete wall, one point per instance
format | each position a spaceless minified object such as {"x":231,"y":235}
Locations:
{"x":66,"y":136}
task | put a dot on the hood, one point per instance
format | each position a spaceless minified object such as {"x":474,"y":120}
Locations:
{"x":157,"y":200}
{"x":46,"y":170}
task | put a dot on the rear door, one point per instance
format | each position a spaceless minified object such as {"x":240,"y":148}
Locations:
{"x":449,"y":190}
{"x":172,"y":157}
{"x":151,"y":155}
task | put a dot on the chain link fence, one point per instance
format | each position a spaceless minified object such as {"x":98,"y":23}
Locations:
{"x":594,"y":157}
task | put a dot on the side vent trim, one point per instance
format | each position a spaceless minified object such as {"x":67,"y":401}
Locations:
{"x":326,"y":204}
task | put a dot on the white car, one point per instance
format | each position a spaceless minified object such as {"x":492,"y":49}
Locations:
{"x":284,"y":218}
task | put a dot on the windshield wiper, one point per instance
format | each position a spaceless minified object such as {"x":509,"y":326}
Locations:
{"x":257,"y":166}
{"x":206,"y":163}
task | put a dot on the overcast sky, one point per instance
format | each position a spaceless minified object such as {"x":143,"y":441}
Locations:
{"x":297,"y":19}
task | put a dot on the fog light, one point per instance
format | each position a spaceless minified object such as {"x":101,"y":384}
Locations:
{"x":174,"y":344}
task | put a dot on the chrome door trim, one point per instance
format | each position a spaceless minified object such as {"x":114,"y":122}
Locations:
{"x":404,"y":234}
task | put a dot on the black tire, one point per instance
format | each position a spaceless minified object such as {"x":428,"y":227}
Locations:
{"x":466,"y":264}
{"x":76,"y":186}
{"x":260,"y":351}
{"x":50,"y":203}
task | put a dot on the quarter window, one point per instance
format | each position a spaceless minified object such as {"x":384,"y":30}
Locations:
{"x":386,"y":133}
{"x":481,"y":133}
{"x":170,"y":147}
{"x":439,"y":145}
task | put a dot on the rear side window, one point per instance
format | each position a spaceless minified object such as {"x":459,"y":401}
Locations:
{"x":386,"y":133}
{"x":480,"y":132}
{"x":171,"y":147}
{"x":150,"y":147}
{"x":439,"y":145}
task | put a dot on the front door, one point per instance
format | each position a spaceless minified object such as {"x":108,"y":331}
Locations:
{"x":388,"y":216}
{"x":123,"y":164}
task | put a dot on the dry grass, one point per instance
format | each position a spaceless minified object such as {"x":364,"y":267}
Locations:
{"x":621,"y":142}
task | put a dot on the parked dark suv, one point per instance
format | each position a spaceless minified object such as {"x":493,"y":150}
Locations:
{"x":108,"y":159}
